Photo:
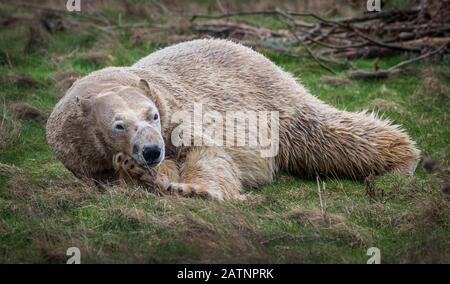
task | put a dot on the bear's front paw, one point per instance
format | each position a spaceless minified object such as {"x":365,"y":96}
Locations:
{"x":188,"y":190}
{"x":125,"y":165}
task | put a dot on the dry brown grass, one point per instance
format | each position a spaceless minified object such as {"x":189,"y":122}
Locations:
{"x":432,"y":87}
{"x":160,"y":8}
{"x":431,"y":164}
{"x":26,"y":81}
{"x":9,"y":170}
{"x":335,"y":81}
{"x":218,"y":232}
{"x":383,"y":105}
{"x":65,"y":79}
{"x":427,"y":225}
{"x":50,"y":254}
{"x":10,"y":128}
{"x":96,"y":57}
{"x":28,"y":112}
{"x":336,"y":225}
{"x":38,"y":38}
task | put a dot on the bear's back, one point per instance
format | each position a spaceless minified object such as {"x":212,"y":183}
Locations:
{"x":215,"y":52}
{"x":215,"y":71}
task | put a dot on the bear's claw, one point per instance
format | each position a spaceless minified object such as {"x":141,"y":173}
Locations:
{"x":126,"y":165}
{"x":187,"y":189}
{"x":128,"y":169}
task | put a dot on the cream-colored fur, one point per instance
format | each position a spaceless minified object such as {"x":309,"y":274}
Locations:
{"x":314,"y":138}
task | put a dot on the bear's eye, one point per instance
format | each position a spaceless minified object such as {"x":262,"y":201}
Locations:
{"x":156,"y":116}
{"x":119,"y":127}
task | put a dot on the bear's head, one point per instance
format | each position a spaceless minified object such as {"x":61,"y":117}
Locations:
{"x":128,"y":120}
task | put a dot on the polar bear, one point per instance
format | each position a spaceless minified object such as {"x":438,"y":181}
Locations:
{"x":130,"y":110}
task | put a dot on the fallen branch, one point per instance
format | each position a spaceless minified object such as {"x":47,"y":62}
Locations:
{"x":386,"y":73}
{"x":231,"y":30}
{"x":273,"y":47}
{"x":275,"y":12}
{"x":383,"y":44}
{"x":308,"y":50}
{"x":379,"y":15}
{"x":359,"y":74}
{"x":382,"y":33}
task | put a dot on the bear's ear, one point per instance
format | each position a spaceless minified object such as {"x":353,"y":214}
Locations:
{"x":143,"y":85}
{"x":83,"y":104}
{"x":157,"y":98}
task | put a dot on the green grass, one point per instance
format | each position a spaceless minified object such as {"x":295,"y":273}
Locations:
{"x":44,"y":210}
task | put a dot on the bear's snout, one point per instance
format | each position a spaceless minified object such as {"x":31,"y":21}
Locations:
{"x":148,"y":145}
{"x":152,"y":154}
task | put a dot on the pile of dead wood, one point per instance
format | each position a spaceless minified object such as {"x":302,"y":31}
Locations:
{"x":421,"y":32}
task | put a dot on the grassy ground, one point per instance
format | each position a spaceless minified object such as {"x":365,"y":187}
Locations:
{"x":44,"y":210}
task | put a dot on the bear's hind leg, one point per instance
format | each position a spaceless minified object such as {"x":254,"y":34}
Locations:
{"x":210,"y":173}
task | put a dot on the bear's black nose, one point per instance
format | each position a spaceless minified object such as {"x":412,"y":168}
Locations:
{"x":152,"y":153}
